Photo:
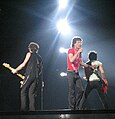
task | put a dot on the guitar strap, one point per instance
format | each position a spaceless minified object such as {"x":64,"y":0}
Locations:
{"x":104,"y":86}
{"x":95,"y":72}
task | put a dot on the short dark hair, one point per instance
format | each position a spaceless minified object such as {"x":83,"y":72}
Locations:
{"x":33,"y":47}
{"x":92,"y":55}
{"x":74,"y":39}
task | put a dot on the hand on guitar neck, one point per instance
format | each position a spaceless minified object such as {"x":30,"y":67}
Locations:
{"x":13,"y":70}
{"x":105,"y":81}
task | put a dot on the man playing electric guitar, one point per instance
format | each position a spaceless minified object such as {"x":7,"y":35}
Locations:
{"x":33,"y":76}
{"x":23,"y":80}
{"x":94,"y":80}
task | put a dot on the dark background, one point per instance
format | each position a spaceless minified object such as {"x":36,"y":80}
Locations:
{"x":22,"y":21}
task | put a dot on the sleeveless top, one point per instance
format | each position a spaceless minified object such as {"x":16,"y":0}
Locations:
{"x":34,"y":66}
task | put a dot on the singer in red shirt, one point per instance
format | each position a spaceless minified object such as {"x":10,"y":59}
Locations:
{"x":74,"y":61}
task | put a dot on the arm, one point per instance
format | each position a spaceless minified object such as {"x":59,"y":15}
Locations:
{"x":22,"y":65}
{"x":83,"y":64}
{"x":103,"y":74}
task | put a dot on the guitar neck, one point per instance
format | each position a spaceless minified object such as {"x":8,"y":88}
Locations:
{"x":10,"y":68}
{"x":19,"y":75}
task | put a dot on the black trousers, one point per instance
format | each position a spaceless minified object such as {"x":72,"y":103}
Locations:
{"x":75,"y":90}
{"x":98,"y":86}
{"x":29,"y":92}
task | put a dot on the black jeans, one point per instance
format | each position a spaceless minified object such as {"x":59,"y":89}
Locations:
{"x":94,"y":85}
{"x":28,"y":94}
{"x":75,"y":90}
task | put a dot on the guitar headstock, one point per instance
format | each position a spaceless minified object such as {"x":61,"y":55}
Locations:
{"x":6,"y":65}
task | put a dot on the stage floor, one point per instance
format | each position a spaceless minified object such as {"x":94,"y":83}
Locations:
{"x":60,"y":114}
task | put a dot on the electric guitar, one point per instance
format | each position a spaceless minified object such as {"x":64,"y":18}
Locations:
{"x":89,"y":70}
{"x":19,"y":75}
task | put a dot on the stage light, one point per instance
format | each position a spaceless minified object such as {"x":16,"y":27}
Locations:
{"x":63,"y":4}
{"x":63,"y":50}
{"x":62,"y":74}
{"x":64,"y":116}
{"x":63,"y":26}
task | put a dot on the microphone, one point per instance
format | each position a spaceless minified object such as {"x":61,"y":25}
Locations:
{"x":80,"y":54}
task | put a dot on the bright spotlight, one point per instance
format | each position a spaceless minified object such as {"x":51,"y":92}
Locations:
{"x":63,"y":50}
{"x":62,"y":74}
{"x":63,"y":26}
{"x":63,"y":4}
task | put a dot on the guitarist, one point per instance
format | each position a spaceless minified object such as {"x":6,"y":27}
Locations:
{"x":94,"y":80}
{"x":33,"y":82}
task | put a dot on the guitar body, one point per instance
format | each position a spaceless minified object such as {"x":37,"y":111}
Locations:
{"x":89,"y":71}
{"x":104,"y":86}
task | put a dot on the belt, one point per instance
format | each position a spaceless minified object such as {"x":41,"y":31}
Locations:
{"x":75,"y":71}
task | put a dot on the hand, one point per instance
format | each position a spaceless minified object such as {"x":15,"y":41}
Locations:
{"x":105,"y":81}
{"x":85,"y":78}
{"x":80,"y":50}
{"x":86,"y":65}
{"x":14,"y":71}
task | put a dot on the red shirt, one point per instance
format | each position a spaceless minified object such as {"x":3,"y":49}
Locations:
{"x":76,"y":63}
